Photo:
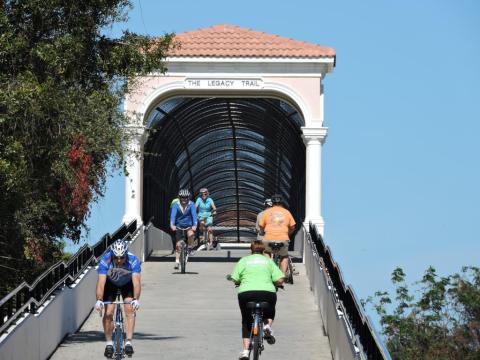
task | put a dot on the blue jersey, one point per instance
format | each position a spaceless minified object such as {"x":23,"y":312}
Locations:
{"x":183,"y":219}
{"x":122,"y":275}
{"x":204,"y":207}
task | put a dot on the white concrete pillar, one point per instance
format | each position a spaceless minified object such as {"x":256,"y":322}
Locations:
{"x":314,"y":138}
{"x":134,"y":177}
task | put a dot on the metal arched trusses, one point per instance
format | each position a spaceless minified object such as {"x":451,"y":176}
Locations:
{"x":241,"y":149}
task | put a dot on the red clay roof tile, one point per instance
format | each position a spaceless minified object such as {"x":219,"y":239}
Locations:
{"x":234,"y":41}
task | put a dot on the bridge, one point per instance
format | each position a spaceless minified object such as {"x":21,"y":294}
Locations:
{"x":242,"y":114}
{"x":187,"y":316}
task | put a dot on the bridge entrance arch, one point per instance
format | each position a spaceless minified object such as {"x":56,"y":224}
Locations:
{"x":243,"y":120}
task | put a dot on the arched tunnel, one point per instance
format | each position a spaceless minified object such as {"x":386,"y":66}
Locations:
{"x":242,"y":149}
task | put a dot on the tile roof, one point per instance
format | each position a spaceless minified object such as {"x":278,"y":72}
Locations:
{"x":234,"y":41}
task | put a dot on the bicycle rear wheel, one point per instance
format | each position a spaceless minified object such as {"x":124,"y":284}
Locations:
{"x":256,"y":346}
{"x":183,"y":258}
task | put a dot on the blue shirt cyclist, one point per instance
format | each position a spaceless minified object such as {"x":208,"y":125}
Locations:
{"x":183,"y":216}
{"x":118,"y":272}
{"x":206,"y":207}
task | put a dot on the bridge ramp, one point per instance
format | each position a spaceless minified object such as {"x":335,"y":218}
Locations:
{"x":195,"y":316}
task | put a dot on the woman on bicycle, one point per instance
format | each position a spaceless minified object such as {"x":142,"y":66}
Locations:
{"x":184,"y":216}
{"x":206,"y":209}
{"x":257,"y":276}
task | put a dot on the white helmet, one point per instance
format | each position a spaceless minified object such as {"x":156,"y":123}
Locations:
{"x":184,"y":193}
{"x":119,"y":247}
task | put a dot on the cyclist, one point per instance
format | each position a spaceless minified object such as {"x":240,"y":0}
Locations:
{"x":267,"y":204}
{"x":277,"y":224}
{"x":118,"y":270}
{"x":257,"y":276}
{"x":206,"y":209}
{"x":184,"y":216}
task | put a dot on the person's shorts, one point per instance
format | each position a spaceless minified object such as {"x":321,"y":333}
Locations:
{"x":282,"y":252}
{"x":180,"y":235}
{"x":208,"y":220}
{"x":110,"y":291}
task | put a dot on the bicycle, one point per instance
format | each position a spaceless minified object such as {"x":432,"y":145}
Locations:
{"x":184,"y":250}
{"x":202,"y":220}
{"x":276,"y":246}
{"x":257,"y":333}
{"x":118,"y":334}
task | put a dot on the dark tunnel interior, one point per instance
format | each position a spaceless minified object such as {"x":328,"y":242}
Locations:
{"x":242,"y":149}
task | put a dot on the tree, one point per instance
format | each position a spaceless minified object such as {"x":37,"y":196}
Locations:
{"x":62,"y":84}
{"x":441,"y":321}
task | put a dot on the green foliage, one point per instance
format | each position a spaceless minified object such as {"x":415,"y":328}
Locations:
{"x":440,"y":321}
{"x":62,"y":84}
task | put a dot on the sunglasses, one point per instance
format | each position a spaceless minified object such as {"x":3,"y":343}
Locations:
{"x":119,"y":257}
{"x":204,"y":194}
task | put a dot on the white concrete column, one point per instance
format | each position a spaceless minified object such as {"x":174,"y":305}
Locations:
{"x":314,"y":138}
{"x":134,"y":176}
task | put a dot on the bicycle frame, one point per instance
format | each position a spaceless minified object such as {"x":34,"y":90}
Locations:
{"x":256,"y":333}
{"x":118,"y":335}
{"x":183,"y":250}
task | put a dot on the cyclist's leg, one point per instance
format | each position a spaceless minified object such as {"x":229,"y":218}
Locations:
{"x":109,"y":294}
{"x":283,"y":252}
{"x":247,"y":320}
{"x":190,"y":236}
{"x":178,"y":245}
{"x":208,"y":224}
{"x":127,"y":295}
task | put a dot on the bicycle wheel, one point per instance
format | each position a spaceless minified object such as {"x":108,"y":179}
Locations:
{"x":257,"y":346}
{"x":183,"y":258}
{"x":289,"y":278}
{"x":118,"y":343}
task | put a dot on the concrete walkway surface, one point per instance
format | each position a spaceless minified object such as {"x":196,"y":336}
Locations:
{"x":195,"y":316}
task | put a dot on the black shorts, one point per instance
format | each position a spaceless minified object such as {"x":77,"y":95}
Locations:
{"x":180,"y":235}
{"x":245,"y":297}
{"x":110,"y":291}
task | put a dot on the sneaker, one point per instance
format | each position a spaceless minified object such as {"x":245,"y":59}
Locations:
{"x":244,"y":355}
{"x":128,"y":349}
{"x":108,"y":351}
{"x":177,"y":265}
{"x":268,"y":334}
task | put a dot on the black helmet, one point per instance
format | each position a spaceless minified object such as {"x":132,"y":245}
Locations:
{"x":184,"y":193}
{"x":277,"y":199}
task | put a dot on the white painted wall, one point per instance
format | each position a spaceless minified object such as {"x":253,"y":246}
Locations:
{"x":37,"y":335}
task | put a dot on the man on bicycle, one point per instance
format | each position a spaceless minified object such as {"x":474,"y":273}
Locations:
{"x":206,"y":209}
{"x":267,"y":204}
{"x":118,"y":271}
{"x":183,"y":216}
{"x":277,"y":224}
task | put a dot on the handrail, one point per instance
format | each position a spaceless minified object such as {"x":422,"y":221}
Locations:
{"x":370,"y":342}
{"x":29,"y":297}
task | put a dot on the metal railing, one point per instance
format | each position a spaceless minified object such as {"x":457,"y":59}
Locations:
{"x":367,"y":338}
{"x":28,"y":298}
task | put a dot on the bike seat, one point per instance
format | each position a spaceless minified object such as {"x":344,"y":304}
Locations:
{"x":274,"y":245}
{"x":262,"y":305}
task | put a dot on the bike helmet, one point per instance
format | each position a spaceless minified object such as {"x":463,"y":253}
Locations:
{"x":184,"y":193}
{"x":268,"y":202}
{"x":277,"y":199}
{"x":203,"y":190}
{"x":119,"y":248}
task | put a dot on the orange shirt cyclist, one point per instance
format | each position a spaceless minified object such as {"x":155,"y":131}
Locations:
{"x":278,"y":224}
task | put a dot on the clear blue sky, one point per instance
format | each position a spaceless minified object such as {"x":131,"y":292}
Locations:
{"x":401,"y":170}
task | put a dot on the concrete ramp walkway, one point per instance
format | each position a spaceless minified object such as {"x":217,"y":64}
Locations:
{"x":195,"y":316}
